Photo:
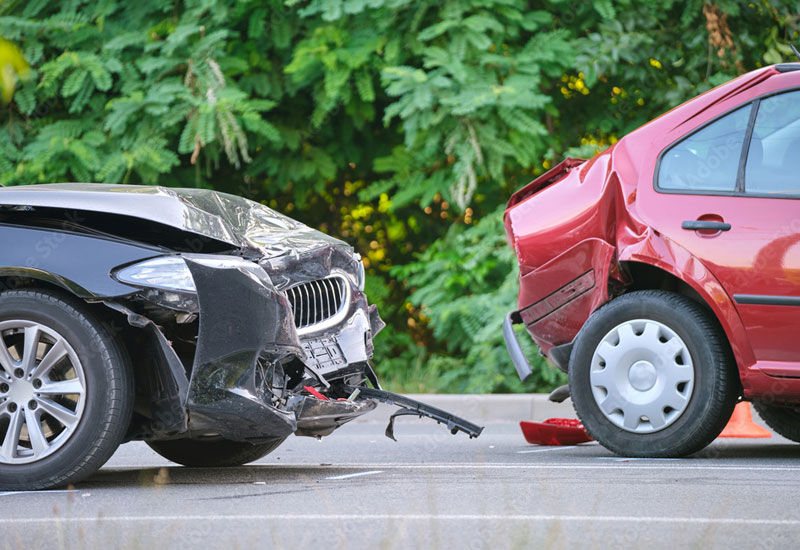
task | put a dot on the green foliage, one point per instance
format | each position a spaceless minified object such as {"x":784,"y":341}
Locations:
{"x":395,"y":124}
{"x":464,"y":285}
{"x":124,"y":89}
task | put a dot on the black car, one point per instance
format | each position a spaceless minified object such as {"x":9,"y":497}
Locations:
{"x":205,"y":324}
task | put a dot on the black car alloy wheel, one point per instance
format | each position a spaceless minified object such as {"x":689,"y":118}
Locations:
{"x":66,"y":391}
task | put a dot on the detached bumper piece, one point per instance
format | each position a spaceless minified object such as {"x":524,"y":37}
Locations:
{"x":411,"y":407}
{"x":514,"y":348}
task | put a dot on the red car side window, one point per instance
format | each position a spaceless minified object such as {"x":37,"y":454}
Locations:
{"x":773,"y":159}
{"x":707,"y":160}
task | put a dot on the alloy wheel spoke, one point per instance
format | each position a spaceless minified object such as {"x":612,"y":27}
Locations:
{"x":63,"y":387}
{"x":8,"y":450}
{"x":59,"y":412}
{"x":39,"y":442}
{"x":6,"y":361}
{"x":31,"y":345}
{"x":53,"y":356}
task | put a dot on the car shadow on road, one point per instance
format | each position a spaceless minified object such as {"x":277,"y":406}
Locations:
{"x":751,"y":449}
{"x":253,"y":474}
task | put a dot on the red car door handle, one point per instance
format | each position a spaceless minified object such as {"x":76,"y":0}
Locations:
{"x":699,"y":225}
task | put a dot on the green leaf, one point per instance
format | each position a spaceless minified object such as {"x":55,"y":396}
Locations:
{"x":533,"y":20}
{"x":605,"y":8}
{"x":255,"y":123}
{"x":364,"y":86}
{"x":74,"y":82}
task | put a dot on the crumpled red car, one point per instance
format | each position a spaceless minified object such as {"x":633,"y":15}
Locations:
{"x":664,"y":274}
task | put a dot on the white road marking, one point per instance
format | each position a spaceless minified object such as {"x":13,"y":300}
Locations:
{"x":359,"y":474}
{"x":411,"y":517}
{"x":10,"y":493}
{"x":678,"y":464}
{"x":686,"y":464}
{"x":561,"y":448}
{"x":630,"y":458}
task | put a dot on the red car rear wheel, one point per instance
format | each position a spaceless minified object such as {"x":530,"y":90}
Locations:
{"x":652,"y":376}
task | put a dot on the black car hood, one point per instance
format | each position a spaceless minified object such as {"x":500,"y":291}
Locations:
{"x":219,"y":216}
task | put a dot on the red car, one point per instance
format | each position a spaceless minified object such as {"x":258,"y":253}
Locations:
{"x":664,"y":274}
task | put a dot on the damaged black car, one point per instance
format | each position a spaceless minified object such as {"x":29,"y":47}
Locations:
{"x":205,"y":324}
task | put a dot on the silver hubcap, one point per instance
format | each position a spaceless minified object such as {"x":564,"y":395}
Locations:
{"x":42,"y":391}
{"x":642,"y":376}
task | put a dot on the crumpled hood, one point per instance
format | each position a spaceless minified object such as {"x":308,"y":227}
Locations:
{"x":219,"y":216}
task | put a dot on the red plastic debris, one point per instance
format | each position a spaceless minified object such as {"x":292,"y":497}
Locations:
{"x":315,"y":393}
{"x":555,"y":431}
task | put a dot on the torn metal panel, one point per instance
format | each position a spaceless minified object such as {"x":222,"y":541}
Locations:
{"x":156,"y":204}
{"x":317,"y":418}
{"x":260,"y":227}
{"x":168,"y":385}
{"x":225,"y":218}
{"x":242,"y":319}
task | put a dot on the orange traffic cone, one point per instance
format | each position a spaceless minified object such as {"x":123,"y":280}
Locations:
{"x":741,"y":424}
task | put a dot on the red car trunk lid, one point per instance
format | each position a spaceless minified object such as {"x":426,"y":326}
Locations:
{"x":551,"y":176}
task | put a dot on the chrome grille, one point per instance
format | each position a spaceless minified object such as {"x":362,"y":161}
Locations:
{"x":316,"y":301}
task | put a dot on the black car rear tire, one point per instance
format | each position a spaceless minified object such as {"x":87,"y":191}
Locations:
{"x":213,"y":454}
{"x":651,"y":375}
{"x":66,"y":391}
{"x":783,"y":420}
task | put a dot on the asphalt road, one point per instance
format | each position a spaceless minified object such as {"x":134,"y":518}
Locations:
{"x":358,"y":489}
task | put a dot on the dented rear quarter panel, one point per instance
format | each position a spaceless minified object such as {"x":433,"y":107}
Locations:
{"x":564,"y":237}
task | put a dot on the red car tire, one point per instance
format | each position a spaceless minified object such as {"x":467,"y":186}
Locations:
{"x":651,"y":375}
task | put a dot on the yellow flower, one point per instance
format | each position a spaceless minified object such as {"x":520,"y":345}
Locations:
{"x":12,"y":68}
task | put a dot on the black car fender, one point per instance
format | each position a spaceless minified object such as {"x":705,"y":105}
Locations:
{"x":80,"y":264}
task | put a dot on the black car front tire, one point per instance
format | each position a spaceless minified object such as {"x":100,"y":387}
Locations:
{"x":651,"y":375}
{"x":66,"y":391}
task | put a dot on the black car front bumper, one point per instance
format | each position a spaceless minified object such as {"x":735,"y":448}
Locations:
{"x":246,"y":328}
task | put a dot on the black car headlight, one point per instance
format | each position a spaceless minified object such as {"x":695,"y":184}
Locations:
{"x":167,"y":273}
{"x":165,"y":281}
